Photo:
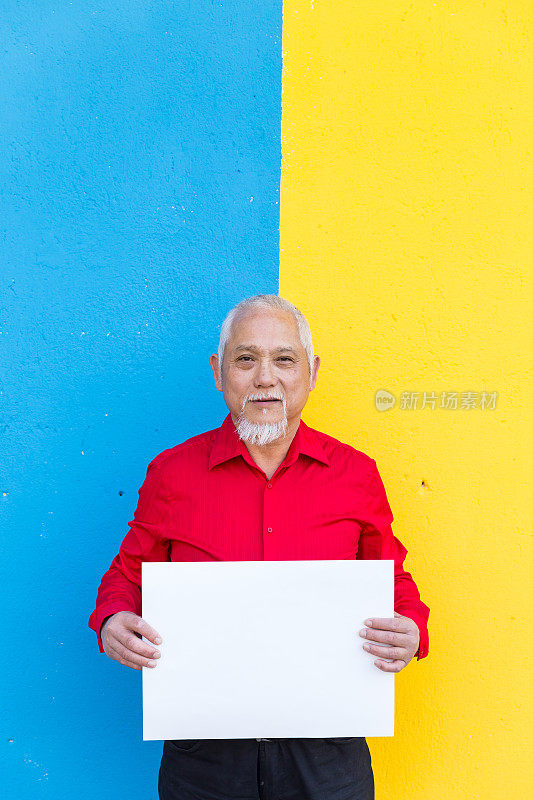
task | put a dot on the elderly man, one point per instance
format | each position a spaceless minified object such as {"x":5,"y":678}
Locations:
{"x":263,"y":486}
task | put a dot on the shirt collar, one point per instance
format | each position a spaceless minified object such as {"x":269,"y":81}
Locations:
{"x":227,"y":445}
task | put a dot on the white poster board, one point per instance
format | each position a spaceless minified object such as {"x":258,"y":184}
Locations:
{"x":265,"y":649}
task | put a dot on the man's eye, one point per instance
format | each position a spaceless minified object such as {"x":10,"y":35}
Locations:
{"x":281,"y":358}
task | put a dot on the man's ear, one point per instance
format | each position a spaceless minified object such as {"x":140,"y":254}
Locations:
{"x":213,"y":360}
{"x":316,"y":364}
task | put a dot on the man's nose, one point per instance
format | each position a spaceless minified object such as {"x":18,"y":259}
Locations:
{"x":265,"y":374}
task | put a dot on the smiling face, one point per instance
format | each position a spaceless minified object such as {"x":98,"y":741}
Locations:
{"x":265,"y":374}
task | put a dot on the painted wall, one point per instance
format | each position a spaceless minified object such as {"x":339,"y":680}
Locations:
{"x":405,"y":237}
{"x":140,"y":172}
{"x":141,"y":162}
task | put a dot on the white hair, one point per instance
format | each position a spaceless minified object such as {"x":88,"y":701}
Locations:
{"x":266,"y":301}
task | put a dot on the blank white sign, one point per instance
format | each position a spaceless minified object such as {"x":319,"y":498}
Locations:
{"x":265,"y":649}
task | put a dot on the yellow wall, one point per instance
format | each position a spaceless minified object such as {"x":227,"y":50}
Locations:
{"x":405,"y":220}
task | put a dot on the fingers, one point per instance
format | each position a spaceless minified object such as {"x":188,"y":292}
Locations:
{"x":395,"y":639}
{"x":130,"y":658}
{"x":115,"y":656}
{"x":127,"y":639}
{"x":391,"y":666}
{"x":129,"y":646}
{"x":141,"y":626}
{"x":123,"y":642}
{"x":119,"y":653}
{"x":386,"y":637}
{"x":398,"y":624}
{"x":393,"y":653}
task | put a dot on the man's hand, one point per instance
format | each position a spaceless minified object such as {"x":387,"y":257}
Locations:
{"x":121,"y":639}
{"x":400,"y":634}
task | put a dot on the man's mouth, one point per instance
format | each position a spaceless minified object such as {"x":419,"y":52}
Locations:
{"x":266,"y":402}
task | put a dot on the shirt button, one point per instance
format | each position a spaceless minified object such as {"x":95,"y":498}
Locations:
{"x":269,"y":530}
{"x":269,"y":486}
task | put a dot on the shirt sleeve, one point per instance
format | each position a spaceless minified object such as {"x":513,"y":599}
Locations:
{"x":147,"y":540}
{"x":377,"y":541}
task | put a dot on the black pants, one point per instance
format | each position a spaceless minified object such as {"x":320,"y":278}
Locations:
{"x":279,"y":769}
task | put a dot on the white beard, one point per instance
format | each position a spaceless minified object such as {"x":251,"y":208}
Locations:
{"x":260,"y":433}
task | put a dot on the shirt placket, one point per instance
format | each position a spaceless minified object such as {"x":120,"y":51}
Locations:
{"x":269,"y":494}
{"x":270,"y":532}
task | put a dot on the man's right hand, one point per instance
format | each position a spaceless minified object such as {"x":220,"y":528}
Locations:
{"x":121,"y":639}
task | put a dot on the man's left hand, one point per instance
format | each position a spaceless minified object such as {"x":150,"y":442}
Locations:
{"x":401,"y":637}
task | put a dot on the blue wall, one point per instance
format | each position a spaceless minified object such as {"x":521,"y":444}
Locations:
{"x":140,"y":169}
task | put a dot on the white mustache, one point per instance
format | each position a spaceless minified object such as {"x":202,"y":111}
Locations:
{"x":260,"y":396}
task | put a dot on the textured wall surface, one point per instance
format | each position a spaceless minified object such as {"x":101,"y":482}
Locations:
{"x":140,"y":171}
{"x":405,"y":236}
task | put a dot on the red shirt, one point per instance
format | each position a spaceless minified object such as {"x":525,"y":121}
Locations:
{"x":207,"y":500}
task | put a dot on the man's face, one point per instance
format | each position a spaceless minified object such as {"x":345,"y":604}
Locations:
{"x":264,"y":358}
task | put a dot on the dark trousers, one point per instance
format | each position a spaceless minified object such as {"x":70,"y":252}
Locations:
{"x":279,"y":769}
